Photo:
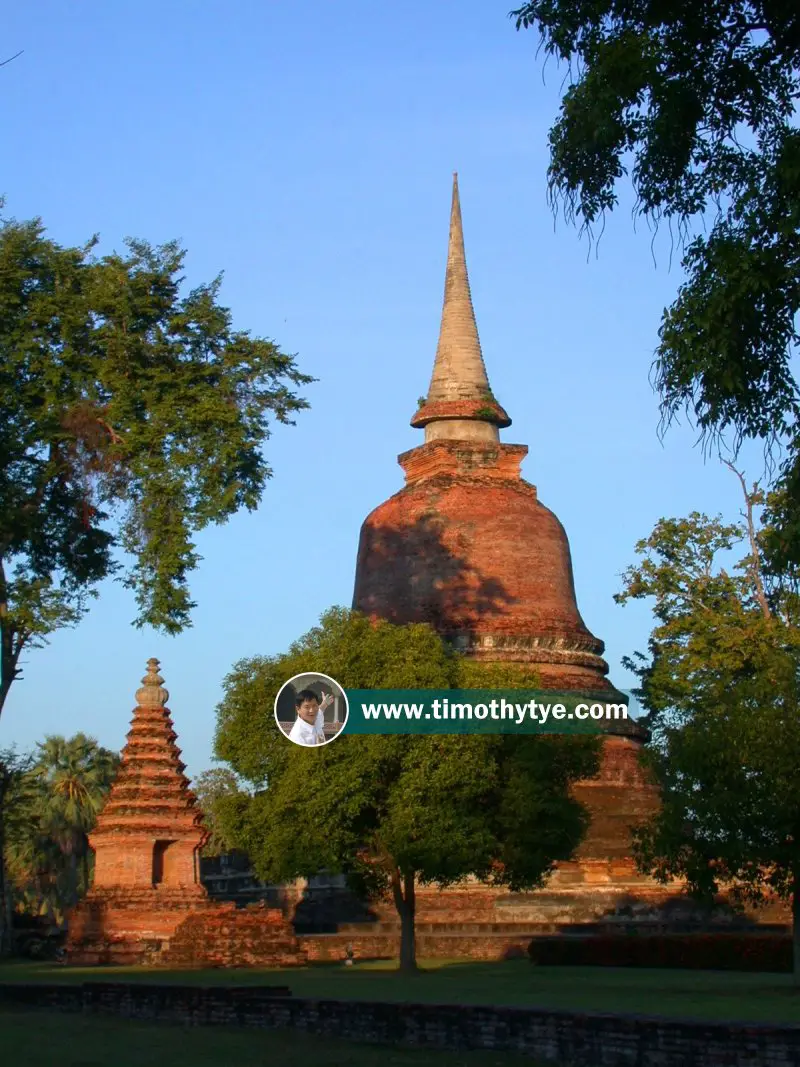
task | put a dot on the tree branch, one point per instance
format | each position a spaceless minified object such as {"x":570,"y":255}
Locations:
{"x":115,"y":438}
{"x":755,"y":554}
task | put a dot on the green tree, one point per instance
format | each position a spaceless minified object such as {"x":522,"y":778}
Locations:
{"x":14,"y":813}
{"x":697,"y":102}
{"x":131,"y":417}
{"x":58,"y":799}
{"x":720,"y":685}
{"x":392,"y":812}
{"x":209,"y":787}
{"x":75,"y":775}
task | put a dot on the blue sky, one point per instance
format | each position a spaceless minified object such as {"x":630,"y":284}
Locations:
{"x":307,"y":151}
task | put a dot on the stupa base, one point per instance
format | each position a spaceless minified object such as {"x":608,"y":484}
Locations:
{"x":129,"y":926}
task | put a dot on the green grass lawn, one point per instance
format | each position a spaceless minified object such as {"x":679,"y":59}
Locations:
{"x":34,"y":1039}
{"x":725,"y":995}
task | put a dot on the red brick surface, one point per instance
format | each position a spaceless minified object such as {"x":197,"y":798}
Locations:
{"x":230,"y":937}
{"x":481,"y":408}
{"x":150,"y":829}
{"x":467,"y":546}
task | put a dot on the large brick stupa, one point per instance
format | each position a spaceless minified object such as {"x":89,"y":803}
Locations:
{"x":468,"y":546}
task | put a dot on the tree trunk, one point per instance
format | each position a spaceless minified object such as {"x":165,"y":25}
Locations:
{"x":755,"y":549}
{"x":5,"y":684}
{"x":405,"y":902}
{"x":796,"y":928}
{"x":9,"y":656}
{"x":4,"y":691}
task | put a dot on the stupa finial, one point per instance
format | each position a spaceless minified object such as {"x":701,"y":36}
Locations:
{"x":460,"y":403}
{"x":152,"y":693}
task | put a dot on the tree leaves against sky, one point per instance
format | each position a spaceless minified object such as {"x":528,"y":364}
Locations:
{"x":721,"y":685}
{"x":132,"y":415}
{"x":696,"y":104}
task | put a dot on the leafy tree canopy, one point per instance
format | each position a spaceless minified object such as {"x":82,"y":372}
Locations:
{"x":14,"y":805}
{"x":697,"y":102}
{"x":721,"y":687}
{"x":721,"y":616}
{"x":210,"y":787}
{"x":49,"y":808}
{"x":394,"y":811}
{"x":131,"y":417}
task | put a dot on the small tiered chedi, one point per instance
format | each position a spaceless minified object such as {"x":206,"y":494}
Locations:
{"x":468,"y":546}
{"x":146,"y":844}
{"x":146,"y":904}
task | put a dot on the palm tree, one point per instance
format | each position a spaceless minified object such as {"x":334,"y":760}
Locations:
{"x":76,"y":775}
{"x":48,"y":855}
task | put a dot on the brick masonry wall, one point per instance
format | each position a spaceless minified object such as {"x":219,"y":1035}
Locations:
{"x":466,"y":924}
{"x":581,"y":1039}
{"x":486,"y":557}
{"x":444,"y":945}
{"x":129,"y":925}
{"x":230,"y":937}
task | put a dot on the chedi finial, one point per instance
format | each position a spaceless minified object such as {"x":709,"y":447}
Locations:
{"x":460,"y":404}
{"x":152,"y":693}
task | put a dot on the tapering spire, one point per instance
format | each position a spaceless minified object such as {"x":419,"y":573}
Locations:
{"x":459,"y":395}
{"x":459,"y":372}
